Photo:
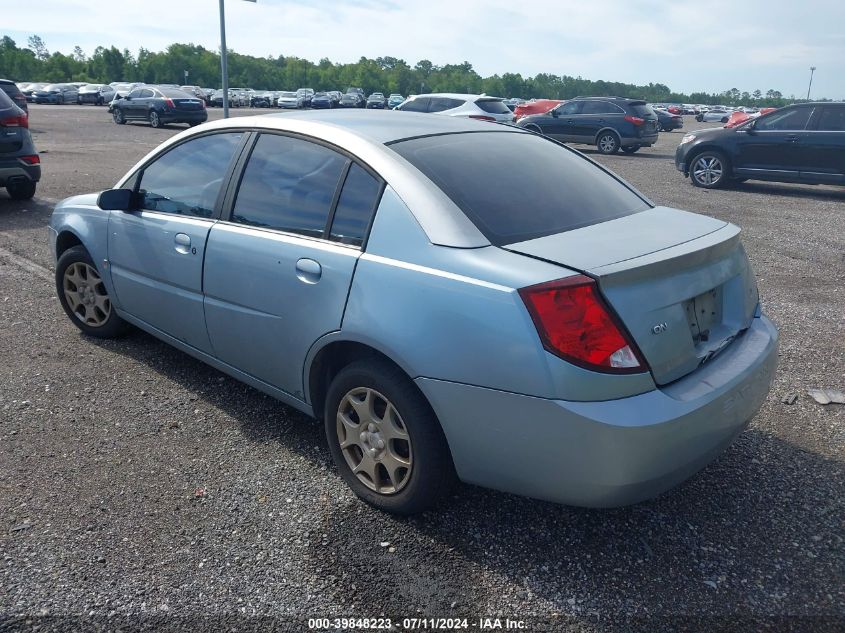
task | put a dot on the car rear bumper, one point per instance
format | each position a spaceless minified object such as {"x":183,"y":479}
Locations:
{"x":89,"y":98}
{"x":612,"y":453}
{"x":12,"y":170}
{"x":188,"y":116}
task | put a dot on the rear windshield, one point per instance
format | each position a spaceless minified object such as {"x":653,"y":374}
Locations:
{"x":641,"y":110}
{"x":175,"y":94}
{"x":493,"y":106}
{"x":550,"y":189}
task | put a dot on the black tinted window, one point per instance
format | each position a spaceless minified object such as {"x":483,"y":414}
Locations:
{"x":493,"y":106}
{"x":439,"y":104}
{"x":787,"y":119}
{"x":832,"y":119}
{"x":599,"y":107}
{"x":146,"y":94}
{"x":573,"y":107}
{"x":416,"y":105}
{"x":551,"y":189}
{"x":642,"y":110}
{"x":288,"y":184}
{"x":187,"y":179}
{"x":355,"y":206}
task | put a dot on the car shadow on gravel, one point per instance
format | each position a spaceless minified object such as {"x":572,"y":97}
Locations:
{"x":819,"y":192}
{"x":757,"y":534}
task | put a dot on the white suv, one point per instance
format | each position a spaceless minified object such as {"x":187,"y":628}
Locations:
{"x":479,"y":107}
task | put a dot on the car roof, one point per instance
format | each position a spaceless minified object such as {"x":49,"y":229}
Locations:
{"x":456,"y":95}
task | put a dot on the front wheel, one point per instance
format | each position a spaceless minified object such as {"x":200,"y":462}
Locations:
{"x":608,"y":143}
{"x":118,"y":116}
{"x":385,"y":439}
{"x":155,"y":119}
{"x":21,"y":190}
{"x":709,"y":170}
{"x":84,"y":297}
{"x":631,"y":149}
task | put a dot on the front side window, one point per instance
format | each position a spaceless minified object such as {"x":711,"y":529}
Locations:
{"x":832,"y":119}
{"x":355,"y":206}
{"x":567,"y":109}
{"x":187,"y":179}
{"x":791,"y":119}
{"x":288,"y":184}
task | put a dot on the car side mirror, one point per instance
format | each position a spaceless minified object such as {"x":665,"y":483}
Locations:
{"x":116,"y":200}
{"x":751,"y":127}
{"x":555,"y":113}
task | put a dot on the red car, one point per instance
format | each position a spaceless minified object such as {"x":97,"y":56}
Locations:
{"x":541,"y":106}
{"x":738,"y":118}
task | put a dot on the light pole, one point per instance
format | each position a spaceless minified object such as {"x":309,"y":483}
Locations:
{"x":224,"y":69}
{"x":812,"y":70}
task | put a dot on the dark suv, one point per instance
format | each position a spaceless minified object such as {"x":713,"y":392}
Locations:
{"x":20,"y":166}
{"x":609,"y":123}
{"x":15,"y":94}
{"x":802,"y":143}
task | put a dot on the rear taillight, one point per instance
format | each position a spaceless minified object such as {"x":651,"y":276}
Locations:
{"x":574,"y":323}
{"x":482,"y":117}
{"x":30,"y":160}
{"x":21,"y":120}
{"x":169,"y":103}
{"x":634,"y":119}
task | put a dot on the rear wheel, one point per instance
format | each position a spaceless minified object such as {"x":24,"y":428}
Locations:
{"x":608,"y":143}
{"x":84,"y":297}
{"x":155,"y":119}
{"x":709,"y":170}
{"x":385,"y":439}
{"x":631,"y":149}
{"x":118,"y":116}
{"x":21,"y":190}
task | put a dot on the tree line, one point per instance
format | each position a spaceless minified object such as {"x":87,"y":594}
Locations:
{"x":384,"y":74}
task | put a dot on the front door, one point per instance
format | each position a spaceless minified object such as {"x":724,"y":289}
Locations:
{"x":278,"y":272}
{"x":774,"y":145}
{"x":156,"y":252}
{"x":562,"y":126}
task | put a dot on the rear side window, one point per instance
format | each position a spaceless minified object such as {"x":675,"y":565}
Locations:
{"x":288,"y":184}
{"x":187,"y":179}
{"x":551,"y":189}
{"x":440,"y":104}
{"x":493,"y":106}
{"x":416,"y":105}
{"x":832,"y":119}
{"x":599,"y":107}
{"x":355,"y":206}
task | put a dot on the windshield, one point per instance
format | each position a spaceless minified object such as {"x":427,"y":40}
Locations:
{"x":550,"y":189}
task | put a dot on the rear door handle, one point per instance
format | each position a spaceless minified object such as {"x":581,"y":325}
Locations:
{"x":308,"y":270}
{"x":792,"y":138}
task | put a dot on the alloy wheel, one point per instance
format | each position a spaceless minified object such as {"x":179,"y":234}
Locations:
{"x":86,"y":294}
{"x":607,"y":144}
{"x":374,"y":440}
{"x":707,"y":170}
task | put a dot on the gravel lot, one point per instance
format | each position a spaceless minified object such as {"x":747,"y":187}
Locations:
{"x":103,"y":445}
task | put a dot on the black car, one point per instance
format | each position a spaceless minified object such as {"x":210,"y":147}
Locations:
{"x":666,"y":121}
{"x":609,"y":123}
{"x":322,"y":100}
{"x":352,"y":100}
{"x":159,"y":106}
{"x":15,"y":94}
{"x":20,"y":166}
{"x":802,"y":143}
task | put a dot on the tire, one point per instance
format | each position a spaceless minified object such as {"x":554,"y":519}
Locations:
{"x":423,"y":472}
{"x":78,"y":280}
{"x":155,"y":119}
{"x":118,"y":116}
{"x":631,"y":149}
{"x":608,"y":142}
{"x":724,"y":119}
{"x":709,"y":169}
{"x":21,"y":190}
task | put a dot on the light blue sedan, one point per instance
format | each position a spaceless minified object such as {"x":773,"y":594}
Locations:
{"x":538,"y":326}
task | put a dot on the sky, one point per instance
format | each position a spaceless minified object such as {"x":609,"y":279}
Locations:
{"x":689,"y":45}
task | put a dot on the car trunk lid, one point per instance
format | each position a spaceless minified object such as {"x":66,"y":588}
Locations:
{"x":187,"y":104}
{"x":680,"y":282}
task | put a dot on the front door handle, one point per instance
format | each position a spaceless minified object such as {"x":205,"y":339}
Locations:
{"x":308,"y":270}
{"x":792,"y":138}
{"x":182,"y":243}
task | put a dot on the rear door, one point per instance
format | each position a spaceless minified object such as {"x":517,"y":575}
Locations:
{"x":825,"y":147}
{"x":776,"y":145}
{"x":278,"y":270}
{"x":156,"y":253}
{"x":11,"y":133}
